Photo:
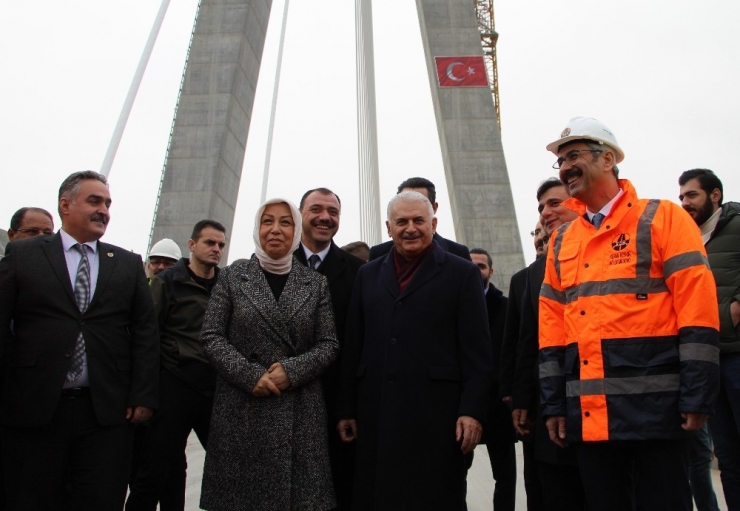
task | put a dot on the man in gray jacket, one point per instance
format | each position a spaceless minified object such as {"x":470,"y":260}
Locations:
{"x":701,"y":196}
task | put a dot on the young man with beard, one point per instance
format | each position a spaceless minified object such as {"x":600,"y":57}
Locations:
{"x":628,"y":331}
{"x":702,"y":197}
{"x":320,"y":211}
{"x":187,"y":379}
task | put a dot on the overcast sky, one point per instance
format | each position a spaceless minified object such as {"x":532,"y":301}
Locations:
{"x":663,"y":75}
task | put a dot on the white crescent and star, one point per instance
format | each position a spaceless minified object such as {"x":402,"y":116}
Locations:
{"x":451,"y":74}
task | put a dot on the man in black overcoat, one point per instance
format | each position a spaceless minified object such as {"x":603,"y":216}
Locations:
{"x":416,"y":371}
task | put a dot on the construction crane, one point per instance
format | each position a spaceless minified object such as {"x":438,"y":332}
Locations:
{"x":488,"y":39}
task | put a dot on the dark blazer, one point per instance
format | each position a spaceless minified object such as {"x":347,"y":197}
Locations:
{"x":525,"y":392}
{"x":340,"y":269}
{"x":499,"y":429}
{"x":511,"y":332}
{"x":414,"y":362}
{"x":445,"y":244}
{"x":119,"y":327}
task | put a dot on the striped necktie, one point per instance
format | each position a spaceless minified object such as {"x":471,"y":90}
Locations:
{"x":82,"y":296}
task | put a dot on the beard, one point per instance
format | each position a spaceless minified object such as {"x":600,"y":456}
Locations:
{"x":703,"y":213}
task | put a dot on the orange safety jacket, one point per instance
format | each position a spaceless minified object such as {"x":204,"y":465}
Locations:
{"x":628,"y":323}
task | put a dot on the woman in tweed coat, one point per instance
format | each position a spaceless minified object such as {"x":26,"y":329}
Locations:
{"x":269,"y":332}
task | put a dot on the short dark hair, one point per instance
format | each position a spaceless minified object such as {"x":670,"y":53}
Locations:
{"x":17,"y":219}
{"x":708,"y":181}
{"x":195,"y":236}
{"x":546,"y":185}
{"x":420,"y":182}
{"x":70,"y":187}
{"x":483,"y":252}
{"x":351,"y":247}
{"x":321,"y":190}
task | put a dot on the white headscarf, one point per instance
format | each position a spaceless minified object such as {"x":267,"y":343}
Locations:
{"x":278,"y":266}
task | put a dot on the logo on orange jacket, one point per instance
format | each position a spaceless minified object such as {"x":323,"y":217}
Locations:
{"x":621,"y":242}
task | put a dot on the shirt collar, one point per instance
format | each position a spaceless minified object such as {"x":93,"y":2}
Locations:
{"x":322,"y":255}
{"x":68,"y":242}
{"x":607,"y":207}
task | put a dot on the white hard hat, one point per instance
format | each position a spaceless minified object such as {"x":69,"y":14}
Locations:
{"x":579,"y":128}
{"x":166,"y":248}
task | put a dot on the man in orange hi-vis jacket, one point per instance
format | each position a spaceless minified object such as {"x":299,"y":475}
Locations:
{"x":629,"y":357}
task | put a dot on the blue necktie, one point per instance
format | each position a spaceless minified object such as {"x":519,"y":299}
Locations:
{"x":597,"y":219}
{"x":314,"y":261}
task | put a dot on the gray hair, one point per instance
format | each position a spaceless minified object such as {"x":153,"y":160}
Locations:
{"x":409,"y":196}
{"x":596,"y":146}
{"x":70,"y":188}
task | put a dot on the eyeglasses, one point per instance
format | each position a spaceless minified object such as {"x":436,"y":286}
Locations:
{"x":35,"y":231}
{"x":573,"y":155}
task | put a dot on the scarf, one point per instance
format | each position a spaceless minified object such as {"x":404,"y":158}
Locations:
{"x":284,"y":264}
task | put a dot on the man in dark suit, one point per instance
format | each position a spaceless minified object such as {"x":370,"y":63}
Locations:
{"x":498,"y":434}
{"x":416,"y":371}
{"x":80,"y":358}
{"x":320,"y":210}
{"x":557,"y":469}
{"x":427,"y":189}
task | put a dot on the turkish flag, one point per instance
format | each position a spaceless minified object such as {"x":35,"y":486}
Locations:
{"x":467,"y":71}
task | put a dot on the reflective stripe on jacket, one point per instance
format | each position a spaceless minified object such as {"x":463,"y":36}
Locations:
{"x":628,"y":323}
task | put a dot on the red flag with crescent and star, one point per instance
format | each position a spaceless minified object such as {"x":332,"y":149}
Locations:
{"x":467,"y":71}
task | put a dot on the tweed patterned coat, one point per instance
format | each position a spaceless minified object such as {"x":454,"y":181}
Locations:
{"x":268,"y":453}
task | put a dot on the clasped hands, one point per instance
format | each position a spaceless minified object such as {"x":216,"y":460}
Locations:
{"x":272,"y":381}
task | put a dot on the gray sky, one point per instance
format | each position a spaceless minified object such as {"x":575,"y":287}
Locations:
{"x":663,"y":75}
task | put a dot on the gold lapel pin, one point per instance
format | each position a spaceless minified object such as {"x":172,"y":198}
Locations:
{"x":110,"y":254}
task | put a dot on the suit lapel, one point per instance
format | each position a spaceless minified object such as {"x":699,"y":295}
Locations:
{"x":55,"y":253}
{"x":106,"y":264}
{"x":334,"y":264}
{"x":388,"y":274}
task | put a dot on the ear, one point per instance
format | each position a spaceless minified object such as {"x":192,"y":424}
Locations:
{"x":388,"y":228}
{"x":609,"y":160}
{"x":191,"y":245}
{"x":434,"y":207}
{"x":434,"y":225}
{"x":11,"y":234}
{"x":715,"y":196}
{"x":64,"y":207}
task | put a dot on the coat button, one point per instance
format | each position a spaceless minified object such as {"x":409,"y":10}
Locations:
{"x":398,"y":304}
{"x":587,"y":414}
{"x":82,"y":322}
{"x":393,"y":340}
{"x":585,"y":362}
{"x":608,"y":226}
{"x":68,"y":354}
{"x":585,"y":265}
{"x":583,"y":313}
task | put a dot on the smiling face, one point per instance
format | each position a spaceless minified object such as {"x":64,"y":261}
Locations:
{"x":276,"y":230}
{"x":584,"y":176}
{"x":411,"y":227}
{"x":320,"y":219}
{"x":86,"y":216}
{"x":553,"y":213}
